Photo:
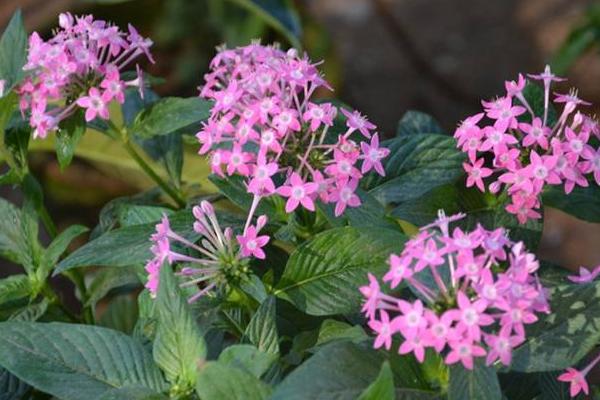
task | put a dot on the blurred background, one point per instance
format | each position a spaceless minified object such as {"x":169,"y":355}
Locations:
{"x":383,"y":57}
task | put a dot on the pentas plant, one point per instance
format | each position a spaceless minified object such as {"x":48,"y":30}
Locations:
{"x":525,"y":150}
{"x":79,"y":67}
{"x":267,"y":127}
{"x":477,"y":290}
{"x":215,"y":262}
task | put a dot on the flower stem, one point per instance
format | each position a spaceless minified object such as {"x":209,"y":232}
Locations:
{"x":153,"y":175}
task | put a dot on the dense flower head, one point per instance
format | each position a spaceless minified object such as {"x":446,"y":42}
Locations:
{"x":78,"y":67}
{"x":476,"y":290}
{"x":521,"y":151}
{"x":212,"y":264}
{"x":266,"y":126}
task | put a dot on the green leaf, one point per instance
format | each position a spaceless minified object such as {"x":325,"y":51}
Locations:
{"x":341,"y":370}
{"x":18,"y":236}
{"x":481,"y":383}
{"x":416,"y":165}
{"x":167,"y":149}
{"x":13,"y":51}
{"x":108,"y":279}
{"x":553,"y":389}
{"x":11,"y":388}
{"x":70,"y":132}
{"x":332,"y":329}
{"x":130,"y":214}
{"x":121,"y":314}
{"x":562,"y":338}
{"x":219,"y":381}
{"x":248,"y":358}
{"x":60,"y":243}
{"x":383,"y":386}
{"x":75,"y":362}
{"x":31,"y":312}
{"x":126,"y":246}
{"x":170,"y":114}
{"x":323,"y":275}
{"x":262,"y":331}
{"x":234,"y":189}
{"x":583,"y":203}
{"x":14,"y":287}
{"x":416,"y":122}
{"x":132,"y":393}
{"x":279,"y":14}
{"x":179,"y":348}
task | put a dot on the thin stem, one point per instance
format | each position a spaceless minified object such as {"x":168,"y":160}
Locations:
{"x":153,"y":175}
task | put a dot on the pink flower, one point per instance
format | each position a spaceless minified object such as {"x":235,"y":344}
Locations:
{"x":385,"y":329}
{"x":355,"y":121}
{"x":412,"y":320}
{"x":577,"y":381}
{"x":371,"y":293}
{"x":476,"y":173}
{"x":399,"y":270}
{"x":237,"y":161}
{"x":536,"y":132}
{"x":298,"y":192}
{"x":585,"y":275}
{"x":505,"y":114}
{"x":261,"y":182}
{"x":344,"y":195}
{"x":439,"y":330}
{"x":542,"y":168}
{"x":501,"y":347}
{"x":95,"y":104}
{"x":414,"y":344}
{"x":251,"y":244}
{"x":464,"y":352}
{"x":318,"y":114}
{"x":471,"y":316}
{"x":372,"y":155}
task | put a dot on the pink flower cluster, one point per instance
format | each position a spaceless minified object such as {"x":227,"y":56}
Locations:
{"x":79,"y":67}
{"x":215,"y":261}
{"x":264,"y":122}
{"x":528,"y":152}
{"x":477,"y":290}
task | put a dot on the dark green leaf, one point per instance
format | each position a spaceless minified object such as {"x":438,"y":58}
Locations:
{"x":169,"y":115}
{"x":132,"y":393}
{"x":416,"y":122}
{"x":332,"y":329}
{"x":553,"y":389}
{"x":121,"y":314}
{"x":341,"y":370}
{"x":13,"y":51}
{"x":583,"y":203}
{"x":262,"y":331}
{"x":481,"y":383}
{"x":416,"y":165}
{"x":383,"y":386}
{"x":322,"y":276}
{"x":60,"y":243}
{"x":562,"y":338}
{"x":178,"y":347}
{"x":130,"y":214}
{"x":11,"y":388}
{"x":18,"y":236}
{"x":247,"y":358}
{"x":75,"y":362}
{"x":219,"y":381}
{"x":14,"y":287}
{"x":108,"y":279}
{"x":130,"y":245}
{"x":70,"y":132}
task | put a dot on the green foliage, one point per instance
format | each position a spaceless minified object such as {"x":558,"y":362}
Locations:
{"x":179,"y":349}
{"x":323,"y":275}
{"x":68,"y":136}
{"x":217,"y":380}
{"x":262,"y":329}
{"x":566,"y":335}
{"x":383,"y":386}
{"x":13,"y":52}
{"x":479,"y":384}
{"x":73,"y":362}
{"x":416,"y":165}
{"x":417,"y":123}
{"x":248,"y":358}
{"x":170,"y":114}
{"x":583,"y":203}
